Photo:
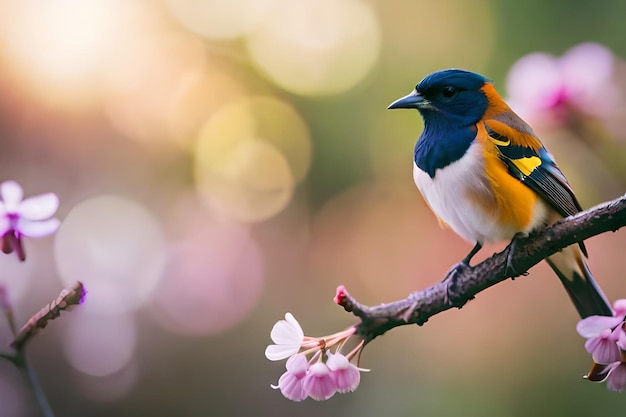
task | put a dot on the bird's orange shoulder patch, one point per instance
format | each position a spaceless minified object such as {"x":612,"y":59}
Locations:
{"x":509,"y":135}
{"x":500,"y":118}
{"x":496,"y":103}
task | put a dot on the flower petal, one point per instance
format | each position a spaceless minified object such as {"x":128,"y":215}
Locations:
{"x":39,"y":207}
{"x":5,"y":225}
{"x":620,"y":307}
{"x":318,"y":383}
{"x":297,"y":365}
{"x":280,"y":352}
{"x":287,"y":336}
{"x":287,"y":331}
{"x":291,"y":386}
{"x":290,"y":383}
{"x":344,"y":374}
{"x":621,"y":337}
{"x":617,"y":377}
{"x":594,"y":325}
{"x":12,"y":195}
{"x":36,"y":229}
{"x":603,"y":348}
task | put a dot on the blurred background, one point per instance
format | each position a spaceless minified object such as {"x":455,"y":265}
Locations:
{"x":222,"y":162}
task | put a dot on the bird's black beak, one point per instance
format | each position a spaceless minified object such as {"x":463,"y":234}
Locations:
{"x":412,"y":101}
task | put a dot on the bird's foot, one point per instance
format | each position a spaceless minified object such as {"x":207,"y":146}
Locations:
{"x":510,"y":270}
{"x":454,"y":291}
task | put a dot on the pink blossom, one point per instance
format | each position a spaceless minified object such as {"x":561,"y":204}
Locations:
{"x":290,"y":383}
{"x":31,"y":217}
{"x":288,"y":337}
{"x":621,"y":337}
{"x":616,"y":380}
{"x":318,"y":382}
{"x":603,"y":334}
{"x":345,"y":375}
{"x":606,"y":340}
{"x":603,"y":348}
{"x":322,"y":376}
{"x":545,"y":88}
{"x":592,"y":326}
{"x":619,"y":307}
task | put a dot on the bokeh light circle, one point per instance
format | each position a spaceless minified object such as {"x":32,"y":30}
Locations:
{"x":100,"y":344}
{"x":314,"y":47}
{"x":273,"y":120}
{"x":143,"y":79}
{"x":57,"y":49}
{"x":115,"y":247}
{"x":199,"y":95}
{"x":110,"y":388}
{"x":250,"y":182}
{"x":214,"y":276}
{"x":250,"y":155}
{"x":217,"y":19}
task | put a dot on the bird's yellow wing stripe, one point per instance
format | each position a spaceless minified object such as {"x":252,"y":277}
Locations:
{"x":527,"y":165}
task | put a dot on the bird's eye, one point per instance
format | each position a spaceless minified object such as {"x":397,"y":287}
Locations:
{"x":449,"y":91}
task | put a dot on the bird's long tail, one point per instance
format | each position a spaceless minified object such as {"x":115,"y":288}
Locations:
{"x":573,"y":272}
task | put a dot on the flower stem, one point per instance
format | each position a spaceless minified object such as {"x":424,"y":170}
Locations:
{"x":31,"y":377}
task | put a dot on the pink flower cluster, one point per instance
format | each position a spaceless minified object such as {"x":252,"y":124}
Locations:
{"x":544,"y":89}
{"x":606,"y":342}
{"x":319,"y":377}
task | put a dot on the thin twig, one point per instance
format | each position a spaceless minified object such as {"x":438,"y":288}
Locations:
{"x":67,"y":299}
{"x":33,"y":382}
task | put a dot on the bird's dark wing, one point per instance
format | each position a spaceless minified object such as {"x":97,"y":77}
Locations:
{"x":528,"y":161}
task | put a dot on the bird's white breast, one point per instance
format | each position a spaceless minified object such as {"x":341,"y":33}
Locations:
{"x":454,"y":195}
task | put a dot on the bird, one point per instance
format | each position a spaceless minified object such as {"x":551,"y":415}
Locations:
{"x":486,"y":175}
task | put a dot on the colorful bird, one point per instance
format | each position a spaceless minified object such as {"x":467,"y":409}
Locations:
{"x":485,"y":174}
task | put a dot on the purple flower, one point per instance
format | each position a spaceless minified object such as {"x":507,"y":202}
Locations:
{"x":621,"y":337}
{"x":318,"y":382}
{"x":592,"y":326}
{"x":290,"y":383}
{"x":616,"y":379}
{"x":344,"y":374}
{"x":545,"y":88}
{"x":606,"y":340}
{"x":603,"y":348}
{"x":31,"y":217}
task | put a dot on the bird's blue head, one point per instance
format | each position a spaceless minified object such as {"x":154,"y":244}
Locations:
{"x":451,"y":102}
{"x":453,"y":96}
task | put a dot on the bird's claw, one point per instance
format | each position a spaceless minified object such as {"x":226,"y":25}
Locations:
{"x":510,"y":270}
{"x":454,"y":293}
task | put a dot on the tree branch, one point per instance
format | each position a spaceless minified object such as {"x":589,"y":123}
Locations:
{"x":517,"y":258}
